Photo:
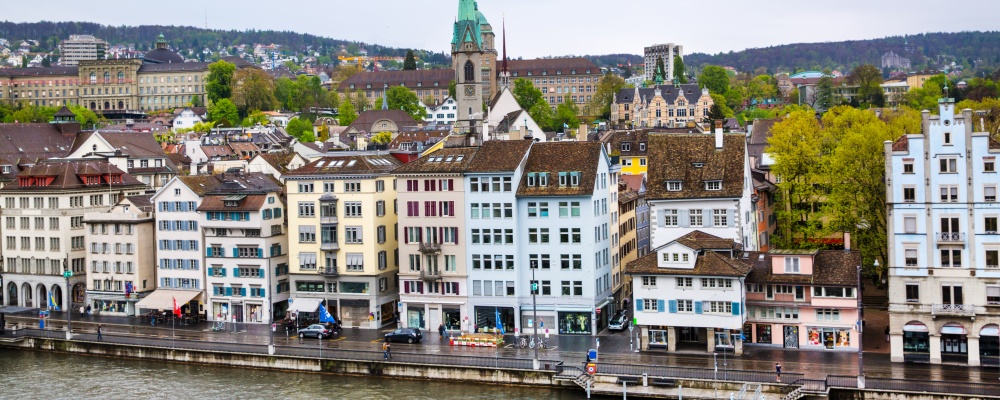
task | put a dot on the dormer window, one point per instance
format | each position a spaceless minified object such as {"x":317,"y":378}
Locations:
{"x":144,"y":163}
{"x":563,"y":179}
{"x":532,"y":179}
{"x":697,"y":165}
{"x":158,"y":162}
{"x":5,"y":168}
{"x":713,"y":185}
{"x":626,"y":146}
{"x":791,"y":265}
{"x":642,"y":146}
{"x":674,"y":186}
{"x":543,"y":179}
{"x":574,"y":178}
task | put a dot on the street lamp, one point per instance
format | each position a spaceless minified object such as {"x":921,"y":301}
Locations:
{"x":861,"y":354}
{"x":534,"y":306}
{"x":69,"y":293}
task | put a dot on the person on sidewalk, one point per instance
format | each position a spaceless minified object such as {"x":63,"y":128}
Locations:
{"x":777,"y":370}
{"x":100,"y":332}
{"x":386,"y":350}
{"x":443,"y":331}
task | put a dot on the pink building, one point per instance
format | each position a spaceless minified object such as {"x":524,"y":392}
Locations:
{"x":803,"y":299}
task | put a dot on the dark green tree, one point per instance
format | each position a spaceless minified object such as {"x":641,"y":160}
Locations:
{"x":715,"y":78}
{"x":824,"y":92}
{"x":661,"y":71}
{"x":401,"y":98}
{"x":225,"y":113}
{"x":220,"y":80}
{"x":679,"y":70}
{"x":526,"y":94}
{"x":410,"y":63}
{"x":565,"y":116}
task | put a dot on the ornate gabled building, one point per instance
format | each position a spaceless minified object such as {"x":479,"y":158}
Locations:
{"x":672,"y":106}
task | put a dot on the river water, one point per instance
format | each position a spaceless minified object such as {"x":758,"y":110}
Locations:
{"x":31,"y":375}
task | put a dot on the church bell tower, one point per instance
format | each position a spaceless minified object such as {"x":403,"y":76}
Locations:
{"x":467,"y":56}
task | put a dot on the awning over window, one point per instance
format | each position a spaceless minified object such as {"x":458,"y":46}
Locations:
{"x":952,"y":329}
{"x":303,"y":305}
{"x":915,"y":327}
{"x":163,"y":299}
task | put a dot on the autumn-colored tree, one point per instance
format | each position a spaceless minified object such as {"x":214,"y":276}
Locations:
{"x":253,"y":89}
{"x":796,"y":144}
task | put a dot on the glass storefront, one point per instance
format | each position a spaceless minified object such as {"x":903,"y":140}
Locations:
{"x":829,"y":338}
{"x":657,"y":337}
{"x":415,"y":318}
{"x":574,"y":323}
{"x":763,"y":333}
{"x":725,"y":338}
{"x":110,"y":306}
{"x":486,"y":318}
{"x":255,"y":313}
{"x":452,"y":318}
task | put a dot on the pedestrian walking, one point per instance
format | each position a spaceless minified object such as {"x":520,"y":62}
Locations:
{"x":887,"y":334}
{"x":386,"y":350}
{"x":443,"y":331}
{"x":777,"y":371}
{"x":88,"y":310}
{"x":100,"y":333}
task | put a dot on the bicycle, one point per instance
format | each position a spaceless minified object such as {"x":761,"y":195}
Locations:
{"x":541,"y":344}
{"x":521,"y":343}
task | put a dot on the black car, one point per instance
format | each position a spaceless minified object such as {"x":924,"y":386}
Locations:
{"x":408,"y":335}
{"x":315,"y":330}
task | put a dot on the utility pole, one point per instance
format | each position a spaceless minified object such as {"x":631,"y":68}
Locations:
{"x":534,"y":306}
{"x":69,"y":293}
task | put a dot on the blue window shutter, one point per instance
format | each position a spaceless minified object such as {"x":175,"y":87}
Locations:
{"x":260,"y":272}
{"x":683,"y":218}
{"x":730,"y":217}
{"x":208,"y":252}
{"x":261,"y":292}
{"x":277,"y":270}
{"x":659,"y":305}
{"x":638,"y":304}
{"x":697,"y":307}
{"x":260,"y":252}
{"x":236,"y":272}
{"x":243,"y":292}
{"x":277,"y":288}
{"x":229,"y":291}
{"x":236,"y":252}
{"x":209,"y":272}
{"x":736,"y":308}
{"x":223,"y":272}
{"x":673,"y":306}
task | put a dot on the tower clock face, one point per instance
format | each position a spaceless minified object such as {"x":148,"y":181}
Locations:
{"x":470,"y":90}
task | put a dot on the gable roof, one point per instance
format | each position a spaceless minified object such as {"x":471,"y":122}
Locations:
{"x":444,"y":160}
{"x":672,"y":158}
{"x":551,"y":66}
{"x":348,"y":165}
{"x":22,"y":144}
{"x":67,"y":173}
{"x":708,"y":263}
{"x":200,"y":184}
{"x":616,"y":138}
{"x":556,"y":157}
{"x":669,"y":93}
{"x":368,"y":118}
{"x":425,"y":137}
{"x":830,"y":267}
{"x":279,"y":161}
{"x":634,"y":182}
{"x":499,"y":156}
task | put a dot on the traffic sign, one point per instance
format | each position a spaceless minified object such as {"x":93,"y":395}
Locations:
{"x":67,"y":274}
{"x":592,"y":354}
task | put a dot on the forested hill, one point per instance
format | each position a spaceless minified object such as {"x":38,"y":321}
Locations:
{"x":183,"y":38}
{"x":927,"y":50}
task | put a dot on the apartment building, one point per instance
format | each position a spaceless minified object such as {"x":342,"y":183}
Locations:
{"x":121,"y":256}
{"x":43,"y":231}
{"x":558,"y":78}
{"x":81,"y":47}
{"x":427,"y":84}
{"x":433,"y":275}
{"x":343,"y":244}
{"x":941,"y":189}
{"x":137,"y":153}
{"x":665,"y":52}
{"x":631,"y":147}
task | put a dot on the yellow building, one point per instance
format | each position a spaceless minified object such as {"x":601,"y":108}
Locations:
{"x":343,"y":238}
{"x":630,"y":146}
{"x":628,"y":242}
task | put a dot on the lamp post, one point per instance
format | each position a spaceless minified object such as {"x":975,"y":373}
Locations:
{"x":270,"y":311}
{"x":534,"y":306}
{"x":69,"y":293}
{"x":861,"y":354}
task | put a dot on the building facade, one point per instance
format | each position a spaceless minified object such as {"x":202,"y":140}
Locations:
{"x":669,"y":106}
{"x":666,"y":52}
{"x":121,"y":256}
{"x":81,"y":47}
{"x":559,"y":77}
{"x":941,"y":187}
{"x":343,"y":245}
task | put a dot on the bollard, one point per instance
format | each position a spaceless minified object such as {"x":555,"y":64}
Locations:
{"x":645,"y":379}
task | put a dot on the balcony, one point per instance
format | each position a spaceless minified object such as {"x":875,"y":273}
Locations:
{"x":328,"y":219}
{"x":328,"y":271}
{"x":426,"y":275}
{"x":959,"y":310}
{"x":950,"y":238}
{"x":329,"y":246}
{"x":430,"y":248}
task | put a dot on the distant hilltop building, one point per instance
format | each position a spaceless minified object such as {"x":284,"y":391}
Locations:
{"x":81,"y":47}
{"x":667,"y":51}
{"x":895,"y":61}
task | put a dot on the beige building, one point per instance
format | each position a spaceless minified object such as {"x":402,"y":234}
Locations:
{"x":53,"y":86}
{"x":628,"y":243}
{"x":559,"y":77}
{"x":121,"y":256}
{"x":426,"y":83}
{"x":432,"y":217}
{"x":342,"y":238}
{"x":663,"y":106}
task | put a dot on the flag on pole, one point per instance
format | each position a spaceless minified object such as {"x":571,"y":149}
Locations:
{"x":128,"y":289}
{"x":324,"y":315}
{"x":500,"y":324}
{"x":177,"y":310}
{"x":52,"y":302}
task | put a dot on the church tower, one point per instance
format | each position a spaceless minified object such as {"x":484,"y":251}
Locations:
{"x":467,"y":52}
{"x":504,"y":76}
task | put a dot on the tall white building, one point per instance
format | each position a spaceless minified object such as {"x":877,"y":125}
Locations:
{"x":944,"y":279}
{"x":666,"y":51}
{"x":121,"y":256}
{"x":81,"y":47}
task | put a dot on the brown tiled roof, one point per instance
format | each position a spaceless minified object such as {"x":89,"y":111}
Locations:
{"x":368,"y":118}
{"x":672,"y":158}
{"x":830,"y":267}
{"x":144,"y":201}
{"x":500,"y":156}
{"x":135,"y":144}
{"x":445,"y":160}
{"x":216,"y":203}
{"x":698,"y":240}
{"x":616,"y":138}
{"x":40,"y":71}
{"x":708,"y":264}
{"x":634,"y":182}
{"x":762,"y":130}
{"x":28,"y":143}
{"x":351,"y":165}
{"x":200,"y":184}
{"x":625,"y":194}
{"x":279,"y":161}
{"x":425,"y":136}
{"x":244,"y":148}
{"x":217,"y":151}
{"x":903,"y":144}
{"x":551,"y":67}
{"x":556,"y":157}
{"x":67,"y":175}
{"x":994,"y":143}
{"x":425,"y":77}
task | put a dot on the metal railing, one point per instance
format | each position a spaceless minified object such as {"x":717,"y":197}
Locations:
{"x":967,"y":310}
{"x":950,"y":237}
{"x":695,"y":373}
{"x":426,"y":247}
{"x":915,"y":386}
{"x":328,"y":271}
{"x":430,"y":275}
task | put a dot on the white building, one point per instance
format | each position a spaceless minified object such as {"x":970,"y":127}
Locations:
{"x":81,"y":47}
{"x":121,"y":256}
{"x":444,"y":113}
{"x":944,"y":280}
{"x":564,"y":201}
{"x":245,"y":248}
{"x":665,"y":51}
{"x":137,"y":153}
{"x":690,"y":294}
{"x":186,"y":119}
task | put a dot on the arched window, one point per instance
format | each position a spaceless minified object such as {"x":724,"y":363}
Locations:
{"x":107,"y":77}
{"x":121,"y":77}
{"x":470,"y":72}
{"x":93,"y":78}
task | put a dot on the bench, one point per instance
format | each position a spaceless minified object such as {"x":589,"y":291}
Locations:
{"x":663,"y":382}
{"x":631,"y":380}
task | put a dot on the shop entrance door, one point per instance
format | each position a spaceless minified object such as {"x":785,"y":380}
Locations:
{"x":435,"y":318}
{"x":791,"y":337}
{"x":829,"y":338}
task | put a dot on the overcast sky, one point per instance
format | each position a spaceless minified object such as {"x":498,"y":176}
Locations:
{"x":538,"y":28}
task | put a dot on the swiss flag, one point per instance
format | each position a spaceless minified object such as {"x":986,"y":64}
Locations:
{"x":177,"y":310}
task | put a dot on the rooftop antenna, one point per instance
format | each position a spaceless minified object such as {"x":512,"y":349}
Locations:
{"x":206,"y":18}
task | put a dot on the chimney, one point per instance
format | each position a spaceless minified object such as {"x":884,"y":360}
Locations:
{"x":524,"y":132}
{"x":718,"y":134}
{"x":847,"y":241}
{"x":582,"y":133}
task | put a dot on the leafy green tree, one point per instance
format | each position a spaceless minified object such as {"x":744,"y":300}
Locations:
{"x":360,"y":102}
{"x":220,"y":80}
{"x":542,"y":113}
{"x":715,"y":78}
{"x":32,"y":113}
{"x":926,"y":97}
{"x":719,"y":101}
{"x":401,"y":98}
{"x":309,"y":93}
{"x":225,"y":113}
{"x":256,"y":117}
{"x":991,"y":115}
{"x":382,"y":138}
{"x":526,"y":94}
{"x":600,"y":105}
{"x":253,"y":89}
{"x":285,"y":92}
{"x":46,"y":62}
{"x":868,"y":79}
{"x":85,"y":116}
{"x":451,"y":88}
{"x":679,"y":70}
{"x":565,"y":116}
{"x":298,"y":126}
{"x":824,"y":92}
{"x":346,"y":114}
{"x":410,"y":63}
{"x":197,"y":101}
{"x":24,"y":61}
{"x":292,"y":66}
{"x":796,"y":144}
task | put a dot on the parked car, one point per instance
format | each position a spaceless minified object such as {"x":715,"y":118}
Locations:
{"x":619,"y":322}
{"x":316,"y":331}
{"x":408,"y":335}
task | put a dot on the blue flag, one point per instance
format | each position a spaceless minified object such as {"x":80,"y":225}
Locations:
{"x":500,"y":324}
{"x":324,"y":315}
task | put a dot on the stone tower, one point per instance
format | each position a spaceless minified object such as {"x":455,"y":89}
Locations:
{"x":467,"y":51}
